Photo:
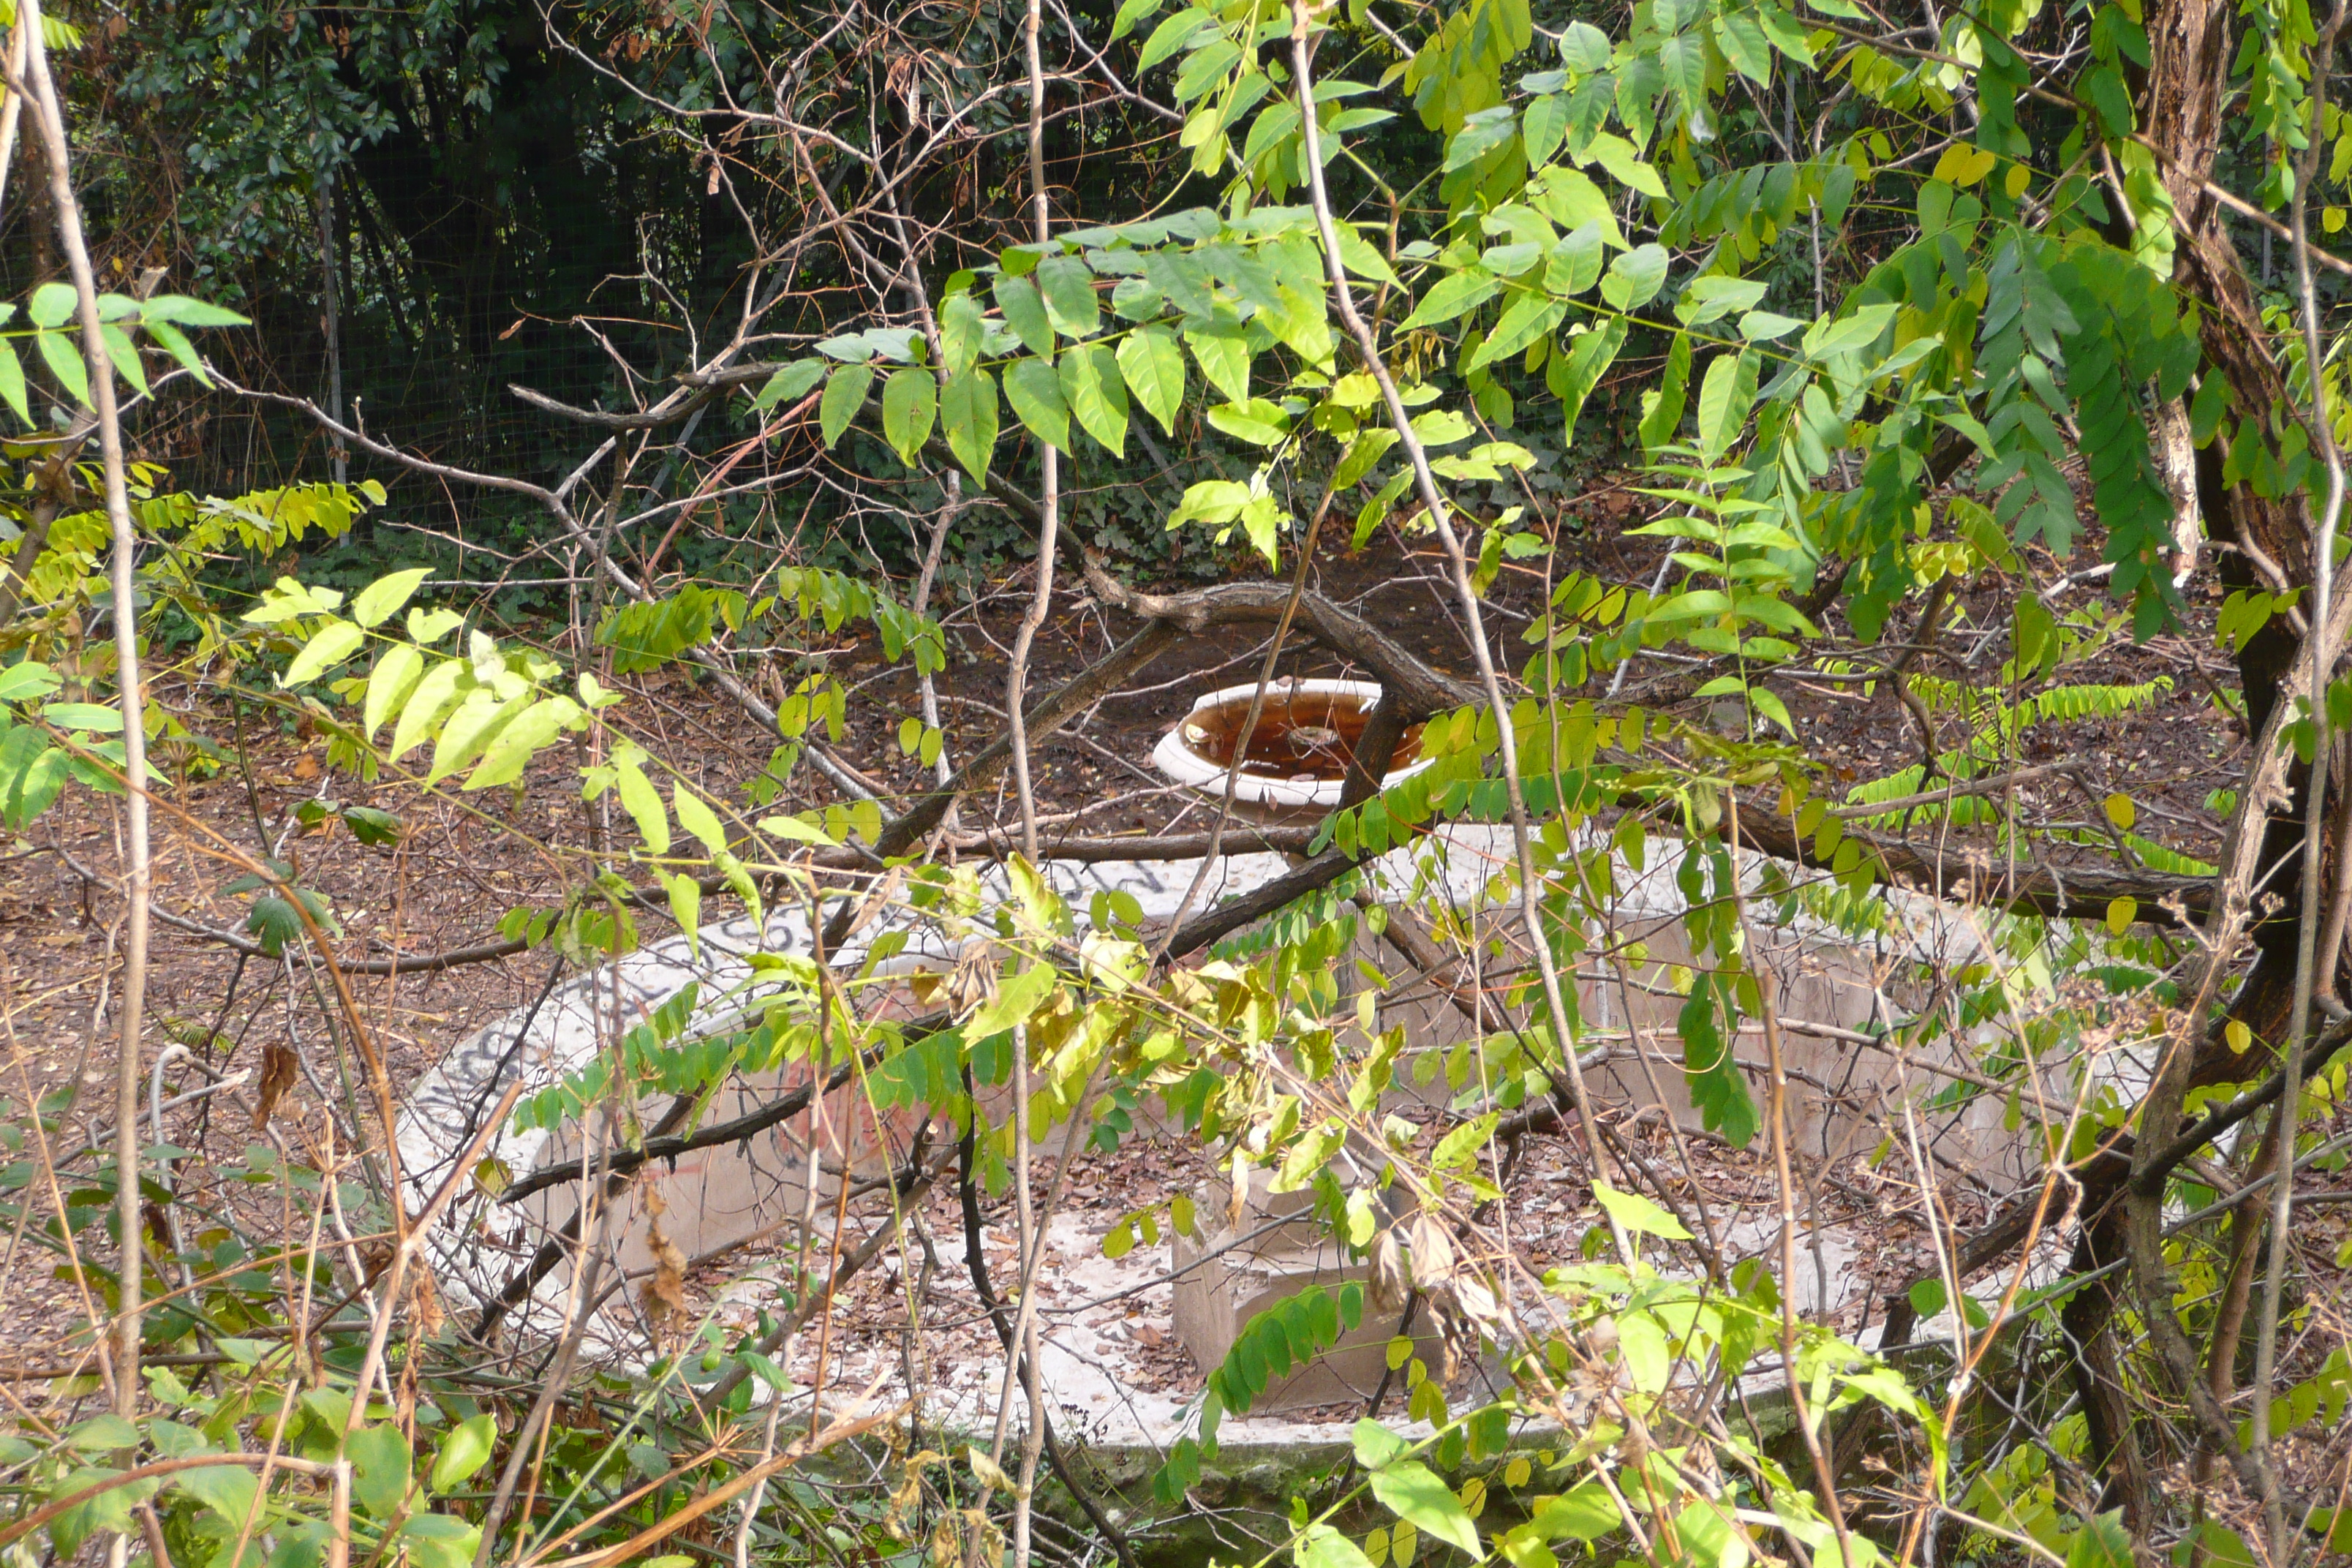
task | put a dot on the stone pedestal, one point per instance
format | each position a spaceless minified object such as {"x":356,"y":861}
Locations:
{"x":1227,"y":1281}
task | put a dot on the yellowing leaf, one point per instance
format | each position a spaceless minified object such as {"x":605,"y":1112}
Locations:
{"x":2121,"y":913}
{"x":643,"y":805}
{"x":475,"y":723}
{"x":1963,"y":165}
{"x":2239,"y":1035}
{"x":394,"y":678}
{"x":797,"y":830}
{"x":2120,"y":811}
{"x":520,"y":739}
{"x":686,"y":909}
{"x":425,"y":704}
{"x":385,"y":595}
{"x":697,"y":819}
{"x":909,"y":399}
{"x":1638,"y":1213}
{"x":1414,"y":1493}
{"x":336,"y":642}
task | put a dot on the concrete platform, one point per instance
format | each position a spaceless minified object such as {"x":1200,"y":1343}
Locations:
{"x":719,"y":1198}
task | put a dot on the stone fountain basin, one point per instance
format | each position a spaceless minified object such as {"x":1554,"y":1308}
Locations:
{"x":1197,"y":753}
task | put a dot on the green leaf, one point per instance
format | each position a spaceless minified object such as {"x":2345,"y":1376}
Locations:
{"x":190,"y":312}
{"x":229,"y":1491}
{"x":1724,"y":400}
{"x":380,"y":1462}
{"x":1713,"y":296}
{"x":1014,"y":1000}
{"x":1358,"y":257}
{"x":1414,"y":1493}
{"x":962,"y":329}
{"x":12,"y":380}
{"x":1546,"y":124}
{"x":108,"y":1512}
{"x":1362,"y":452}
{"x":1526,"y":319}
{"x":84,"y":716}
{"x":1586,"y":362}
{"x":1481,"y":134}
{"x":1440,"y":426}
{"x":1131,"y":14}
{"x":1764,"y":326}
{"x":1741,"y":37}
{"x":123,"y":355}
{"x":105,"y":1433}
{"x":1261,"y":519}
{"x":32,"y":773}
{"x":1324,"y":1547}
{"x":334,"y":643}
{"x":444,"y":1540}
{"x":1639,"y":1215}
{"x":1154,"y":368}
{"x":845,"y":395}
{"x":52,"y":304}
{"x":1034,"y":391}
{"x":1170,"y":37}
{"x":1829,"y":336}
{"x":1256,"y":421}
{"x":1634,"y":278}
{"x":1683,"y":59}
{"x":63,"y":357}
{"x":1096,"y":393}
{"x":1068,"y":287}
{"x":432,"y":625}
{"x":1618,"y":157}
{"x":1225,"y":359}
{"x":1024,"y":312}
{"x":909,"y":399}
{"x":1182,"y":281}
{"x":274,"y":921}
{"x":2102,"y":1542}
{"x":1585,"y":49}
{"x":175,"y":343}
{"x":1376,"y":1446}
{"x":1460,"y":294}
{"x":1588,"y":1513}
{"x":379,"y":598}
{"x":798,"y":830}
{"x":1574,"y":264}
{"x":1662,"y":411}
{"x":790,"y":384}
{"x":25,"y":681}
{"x":371,"y":825}
{"x":967,"y":406}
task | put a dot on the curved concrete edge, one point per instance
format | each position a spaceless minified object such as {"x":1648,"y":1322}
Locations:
{"x":1176,"y":759}
{"x":483,"y":1242}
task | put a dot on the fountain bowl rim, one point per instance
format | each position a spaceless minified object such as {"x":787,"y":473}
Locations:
{"x":1180,"y":762}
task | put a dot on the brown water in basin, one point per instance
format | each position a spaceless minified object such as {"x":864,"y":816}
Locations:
{"x":1305,"y":735}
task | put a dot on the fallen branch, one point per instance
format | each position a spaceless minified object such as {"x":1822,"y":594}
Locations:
{"x":1421,"y":690}
{"x":661,"y":413}
{"x":2060,"y":892}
